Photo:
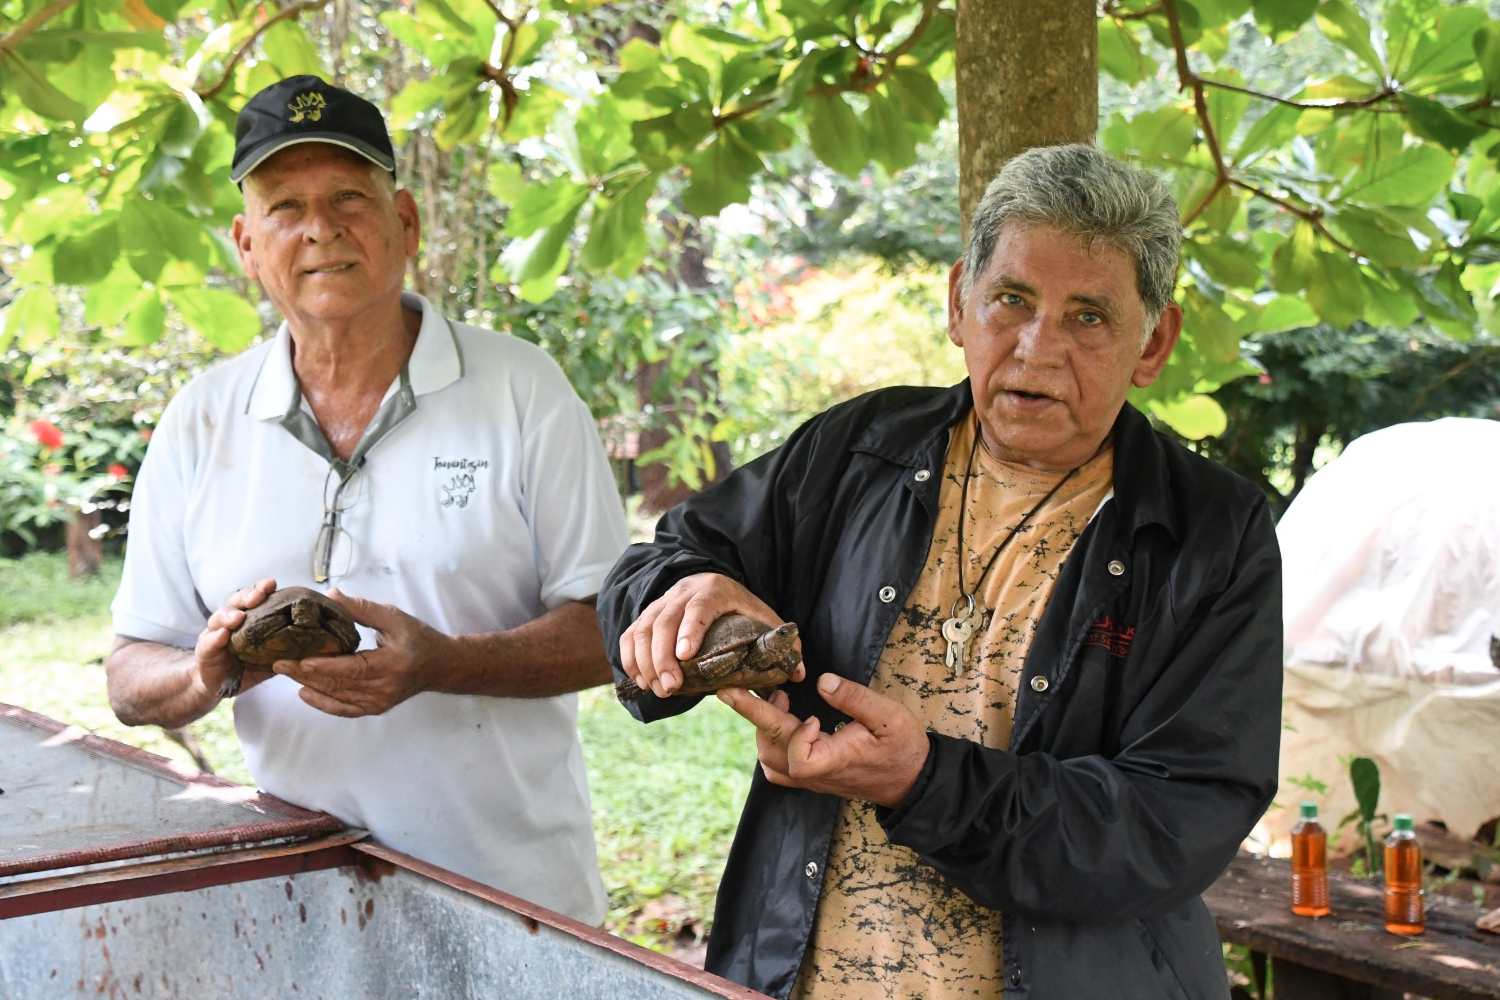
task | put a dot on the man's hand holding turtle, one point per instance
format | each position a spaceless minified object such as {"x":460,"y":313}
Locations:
{"x":220,"y":672}
{"x":672,"y":626}
{"x":372,"y":681}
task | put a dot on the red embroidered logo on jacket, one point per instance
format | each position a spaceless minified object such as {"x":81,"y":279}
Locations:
{"x":1115,"y":638}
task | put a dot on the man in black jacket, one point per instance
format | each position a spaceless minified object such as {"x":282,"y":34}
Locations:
{"x":1041,"y":703}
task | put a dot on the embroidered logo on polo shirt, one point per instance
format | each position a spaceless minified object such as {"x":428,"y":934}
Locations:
{"x":308,"y":105}
{"x":460,"y":486}
{"x":1113,"y":637}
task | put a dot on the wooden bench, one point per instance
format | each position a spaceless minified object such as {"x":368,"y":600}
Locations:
{"x":1348,"y":955}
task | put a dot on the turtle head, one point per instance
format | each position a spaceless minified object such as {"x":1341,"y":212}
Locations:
{"x":306,"y":613}
{"x":780,"y":644}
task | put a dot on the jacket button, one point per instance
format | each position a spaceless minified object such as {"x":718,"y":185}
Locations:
{"x":1015,"y":977}
{"x":887,"y":594}
{"x":1039,"y":683}
{"x":811,"y":869}
{"x":922,"y":476}
{"x":1116,"y":568}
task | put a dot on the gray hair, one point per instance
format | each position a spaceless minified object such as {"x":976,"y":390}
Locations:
{"x":1082,"y":190}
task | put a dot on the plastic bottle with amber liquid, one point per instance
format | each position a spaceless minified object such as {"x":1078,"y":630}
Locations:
{"x":1403,"y":880}
{"x":1309,"y":865}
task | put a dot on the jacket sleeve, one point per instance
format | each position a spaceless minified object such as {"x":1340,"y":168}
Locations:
{"x":1096,"y":838}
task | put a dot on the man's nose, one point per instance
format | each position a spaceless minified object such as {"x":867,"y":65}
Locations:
{"x":1040,"y":339}
{"x":320,"y":225}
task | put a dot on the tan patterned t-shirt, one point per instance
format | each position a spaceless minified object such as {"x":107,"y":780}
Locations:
{"x":888,"y":925}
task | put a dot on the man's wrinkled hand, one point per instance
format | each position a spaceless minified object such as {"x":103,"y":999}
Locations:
{"x":672,"y":626}
{"x":214,"y":661}
{"x":876,"y":757}
{"x":408,"y":655}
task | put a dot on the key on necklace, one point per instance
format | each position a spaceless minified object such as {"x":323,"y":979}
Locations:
{"x":959,"y":632}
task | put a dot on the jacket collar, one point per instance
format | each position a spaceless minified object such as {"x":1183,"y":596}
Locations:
{"x":917,"y":435}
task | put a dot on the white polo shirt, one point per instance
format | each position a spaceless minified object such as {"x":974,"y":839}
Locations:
{"x":489,"y":504}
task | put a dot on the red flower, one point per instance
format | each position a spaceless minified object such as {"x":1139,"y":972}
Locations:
{"x":146,"y":433}
{"x":118,"y":471}
{"x":51,"y":469}
{"x":46,"y":433}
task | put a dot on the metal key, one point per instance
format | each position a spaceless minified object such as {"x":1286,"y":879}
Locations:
{"x":959,"y":632}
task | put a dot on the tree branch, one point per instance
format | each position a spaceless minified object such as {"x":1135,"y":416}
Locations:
{"x":247,"y":44}
{"x":1384,"y":94}
{"x":1188,"y":80}
{"x":16,"y":35}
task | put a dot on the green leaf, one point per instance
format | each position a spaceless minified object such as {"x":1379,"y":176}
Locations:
{"x":152,"y":235}
{"x":1343,"y":25}
{"x":146,"y":323}
{"x":58,"y":210}
{"x":617,"y":236}
{"x":1215,"y":337}
{"x":1194,"y":417}
{"x":541,"y":256}
{"x":88,"y":257}
{"x":1432,"y":120}
{"x":1387,"y":306}
{"x":1226,"y":107}
{"x":895,"y":145}
{"x":289,"y":49}
{"x":30,"y":319}
{"x":1414,"y":176}
{"x":111,"y":300}
{"x":919,"y":93}
{"x":1487,"y":52}
{"x":1165,"y":134}
{"x":37,"y":92}
{"x":720,"y":176}
{"x":1375,"y":238}
{"x":1335,"y":291}
{"x":463,"y":121}
{"x":1120,"y":53}
{"x":1293,"y":262}
{"x":1444,"y":48}
{"x":835,"y":134}
{"x":1226,"y":259}
{"x":1365,"y":776}
{"x":1286,"y":312}
{"x":222,"y":317}
{"x":1279,"y":19}
{"x":543,"y":205}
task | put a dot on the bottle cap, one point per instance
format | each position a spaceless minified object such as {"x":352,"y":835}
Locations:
{"x":1402,"y":821}
{"x":1309,"y":810}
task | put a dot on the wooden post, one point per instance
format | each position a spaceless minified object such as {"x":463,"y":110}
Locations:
{"x":1028,"y":75}
{"x":85,"y":551}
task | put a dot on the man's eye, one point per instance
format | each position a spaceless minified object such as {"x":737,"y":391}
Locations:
{"x":1010,"y":299}
{"x":1090,"y":318}
{"x":280,"y":205}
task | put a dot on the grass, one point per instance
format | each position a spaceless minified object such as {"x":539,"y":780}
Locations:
{"x":666,"y":797}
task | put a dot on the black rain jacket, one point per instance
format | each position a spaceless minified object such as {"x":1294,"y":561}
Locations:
{"x":1146,"y":730}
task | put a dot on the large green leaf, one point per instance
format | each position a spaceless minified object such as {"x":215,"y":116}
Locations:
{"x":1226,"y":259}
{"x":1376,"y":237}
{"x":1444,"y":49}
{"x":37,"y":92}
{"x":1193,"y":416}
{"x":1294,"y":260}
{"x":1414,"y":176}
{"x":147,"y":321}
{"x":720,"y":176}
{"x":223,"y":317}
{"x":1334,"y":289}
{"x":86,"y":257}
{"x":617,"y":235}
{"x":544,"y":205}
{"x":1387,"y":306}
{"x":30,"y":320}
{"x":1120,"y":54}
{"x":894,"y":144}
{"x":1487,"y":51}
{"x":1280,"y":19}
{"x":1286,"y":312}
{"x":288,"y":48}
{"x":835,"y":134}
{"x":1432,"y":120}
{"x":1341,"y":23}
{"x":537,"y":261}
{"x":111,"y":300}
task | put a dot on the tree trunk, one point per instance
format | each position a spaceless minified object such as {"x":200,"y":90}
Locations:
{"x":1028,"y":75}
{"x":85,"y":551}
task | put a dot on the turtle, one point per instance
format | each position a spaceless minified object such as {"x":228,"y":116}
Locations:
{"x":737,"y":651}
{"x":291,"y":624}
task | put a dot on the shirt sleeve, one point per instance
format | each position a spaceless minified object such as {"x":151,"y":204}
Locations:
{"x":570,"y":498}
{"x":158,"y":600}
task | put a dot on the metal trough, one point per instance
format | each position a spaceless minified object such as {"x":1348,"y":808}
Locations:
{"x":216,"y":899}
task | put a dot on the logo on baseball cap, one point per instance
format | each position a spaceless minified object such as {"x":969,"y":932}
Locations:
{"x":307,"y":109}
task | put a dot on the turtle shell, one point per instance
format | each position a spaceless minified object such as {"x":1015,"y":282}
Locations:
{"x":737,"y":651}
{"x":291,"y":624}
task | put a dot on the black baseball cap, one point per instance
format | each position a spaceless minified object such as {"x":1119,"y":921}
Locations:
{"x":307,"y":109}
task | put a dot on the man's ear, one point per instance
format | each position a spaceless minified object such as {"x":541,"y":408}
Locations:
{"x":1159,"y":348}
{"x":411,"y":222}
{"x":241,"y":234}
{"x":956,"y":303}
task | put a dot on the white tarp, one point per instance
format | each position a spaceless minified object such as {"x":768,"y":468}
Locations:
{"x":1392,"y":594}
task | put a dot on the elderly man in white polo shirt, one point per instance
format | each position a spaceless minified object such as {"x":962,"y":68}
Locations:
{"x":444,"y":481}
